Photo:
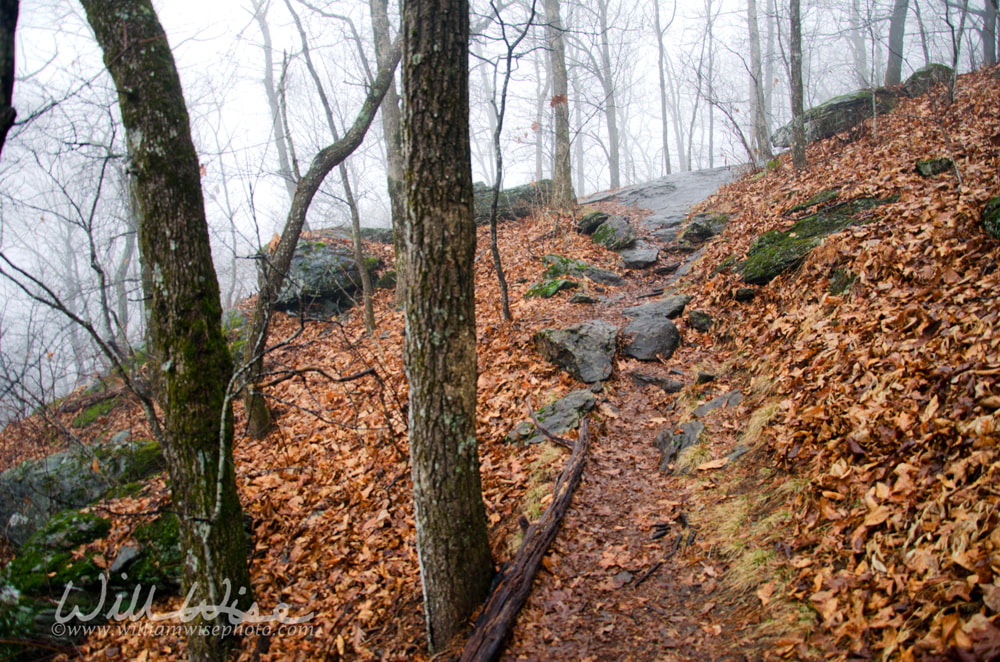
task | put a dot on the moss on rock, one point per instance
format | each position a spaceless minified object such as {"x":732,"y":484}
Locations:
{"x":991,"y":217}
{"x":549,"y":287}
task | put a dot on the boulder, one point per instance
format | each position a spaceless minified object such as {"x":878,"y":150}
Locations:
{"x":776,"y":251}
{"x":730,"y":399}
{"x":932,"y":167}
{"x":991,"y":217}
{"x":671,"y":442}
{"x":377,"y":235}
{"x":667,"y":308}
{"x":590,"y":222}
{"x":35,"y":490}
{"x":515,"y":202}
{"x":922,"y":80}
{"x":585,"y":350}
{"x":548,"y":288}
{"x":558,"y":418}
{"x":323,"y":279}
{"x":557,"y":265}
{"x":615,"y":233}
{"x":666,"y":384}
{"x":837,"y":114}
{"x":703,"y":227}
{"x":642,"y":256}
{"x":700,"y":320}
{"x":651,"y":338}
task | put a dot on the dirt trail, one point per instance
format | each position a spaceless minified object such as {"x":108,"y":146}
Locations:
{"x":628,"y":577}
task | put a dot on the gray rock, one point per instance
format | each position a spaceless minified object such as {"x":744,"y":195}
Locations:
{"x":590,"y":222}
{"x":582,"y":298}
{"x":922,"y":80}
{"x":323,"y":280}
{"x":125,"y":557}
{"x":668,"y":385}
{"x":666,"y":235}
{"x":932,"y":167}
{"x":557,"y":265}
{"x":33,"y":491}
{"x":667,"y":308}
{"x":837,"y":114}
{"x":652,"y":337}
{"x":703,"y":227}
{"x":640,"y":257}
{"x":558,"y":418}
{"x":615,"y":233}
{"x":704,"y":378}
{"x":671,"y":443}
{"x":585,"y":350}
{"x":730,"y":399}
{"x":991,"y":217}
{"x":513,"y":203}
{"x":699,"y":319}
{"x":744,"y":294}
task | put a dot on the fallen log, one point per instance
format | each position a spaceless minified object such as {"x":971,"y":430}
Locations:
{"x":495,"y":623}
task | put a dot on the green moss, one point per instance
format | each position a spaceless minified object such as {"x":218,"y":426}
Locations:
{"x":45,"y":563}
{"x":161,"y":560}
{"x":557,"y":266}
{"x":818,"y":199}
{"x":841,"y":281}
{"x":725,"y":265}
{"x":94,"y":412}
{"x":548,"y":288}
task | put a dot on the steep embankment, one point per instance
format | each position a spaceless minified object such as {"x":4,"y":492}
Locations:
{"x":845,"y":508}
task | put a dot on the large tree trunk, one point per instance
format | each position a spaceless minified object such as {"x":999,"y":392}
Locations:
{"x":989,"y":33}
{"x":858,"y":48}
{"x":762,"y":140}
{"x":275,"y":266}
{"x":798,"y":127}
{"x":392,"y":132}
{"x":897,"y":29}
{"x":8,"y":23}
{"x":563,"y":196}
{"x":440,"y":350}
{"x":191,"y":362}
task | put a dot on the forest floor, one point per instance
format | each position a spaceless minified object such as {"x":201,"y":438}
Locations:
{"x":861,"y":523}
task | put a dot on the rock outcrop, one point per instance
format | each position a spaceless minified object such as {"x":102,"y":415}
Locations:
{"x":585,"y":350}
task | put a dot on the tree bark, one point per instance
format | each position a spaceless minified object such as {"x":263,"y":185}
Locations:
{"x":440,"y":349}
{"x":190,"y":358}
{"x":393,"y":135}
{"x":798,"y":126}
{"x":762,"y":137}
{"x":275,"y":266}
{"x":897,"y":30}
{"x":563,"y":196}
{"x":8,"y":24}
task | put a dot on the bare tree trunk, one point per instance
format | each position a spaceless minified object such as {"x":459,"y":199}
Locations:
{"x":762,"y":137}
{"x":798,"y":127}
{"x":563,"y":196}
{"x":661,"y":57}
{"x":391,"y":130}
{"x":897,"y":31}
{"x":923,"y":32}
{"x":580,"y":171}
{"x":858,"y":48}
{"x":989,"y":33}
{"x":271,"y":90}
{"x":440,"y":350}
{"x":192,"y":364}
{"x":610,"y":98}
{"x":8,"y":24}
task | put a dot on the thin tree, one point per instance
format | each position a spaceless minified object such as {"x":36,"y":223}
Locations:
{"x":193,"y":368}
{"x":798,"y":122}
{"x":563,"y":196}
{"x":274,"y":269}
{"x":393,"y":138}
{"x":456,"y":567}
{"x":661,"y":57}
{"x":761,"y":135}
{"x":499,"y":112}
